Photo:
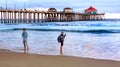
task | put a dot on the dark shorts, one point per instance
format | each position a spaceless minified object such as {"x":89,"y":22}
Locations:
{"x":61,"y":43}
{"x":24,"y":41}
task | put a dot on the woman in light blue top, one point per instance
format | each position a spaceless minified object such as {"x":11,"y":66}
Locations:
{"x":25,"y":35}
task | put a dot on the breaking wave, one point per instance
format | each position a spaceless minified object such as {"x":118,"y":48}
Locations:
{"x":80,"y":26}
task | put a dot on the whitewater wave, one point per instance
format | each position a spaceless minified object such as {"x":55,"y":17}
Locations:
{"x":68,"y":30}
{"x":83,"y":27}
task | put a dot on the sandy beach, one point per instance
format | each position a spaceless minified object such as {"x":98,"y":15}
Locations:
{"x":13,"y":59}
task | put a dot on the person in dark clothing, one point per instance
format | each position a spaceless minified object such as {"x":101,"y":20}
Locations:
{"x":61,"y":38}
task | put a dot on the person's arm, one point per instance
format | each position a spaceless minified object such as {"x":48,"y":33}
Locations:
{"x":22,"y":34}
{"x":26,"y":34}
{"x":64,"y":35}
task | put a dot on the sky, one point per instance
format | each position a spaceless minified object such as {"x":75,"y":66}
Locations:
{"x":110,"y":7}
{"x":103,"y":6}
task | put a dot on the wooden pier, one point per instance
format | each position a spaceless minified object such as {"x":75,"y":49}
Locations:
{"x":52,"y":15}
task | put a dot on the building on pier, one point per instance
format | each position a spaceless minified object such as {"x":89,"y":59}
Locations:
{"x":91,"y":13}
{"x":91,"y":10}
{"x":51,"y":15}
{"x":68,"y":14}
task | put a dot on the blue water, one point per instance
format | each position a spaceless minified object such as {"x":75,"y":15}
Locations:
{"x":88,"y":39}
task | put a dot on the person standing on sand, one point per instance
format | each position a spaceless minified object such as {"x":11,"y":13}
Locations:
{"x":60,"y":39}
{"x":25,"y":35}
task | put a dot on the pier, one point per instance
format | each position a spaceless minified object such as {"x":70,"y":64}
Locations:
{"x":52,"y":15}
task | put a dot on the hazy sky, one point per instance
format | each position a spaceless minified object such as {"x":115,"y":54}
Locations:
{"x":107,"y":6}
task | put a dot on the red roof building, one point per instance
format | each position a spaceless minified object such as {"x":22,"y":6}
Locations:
{"x":91,"y":10}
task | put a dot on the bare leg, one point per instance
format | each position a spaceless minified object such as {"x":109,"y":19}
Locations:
{"x":61,"y":50}
{"x":25,"y":51}
{"x":24,"y":45}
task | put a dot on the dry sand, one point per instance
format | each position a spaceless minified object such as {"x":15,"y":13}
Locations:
{"x":12,"y":59}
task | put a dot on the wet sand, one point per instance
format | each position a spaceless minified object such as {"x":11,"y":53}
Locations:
{"x":13,"y":59}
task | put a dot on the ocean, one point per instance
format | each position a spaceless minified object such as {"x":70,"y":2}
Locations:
{"x":87,"y":39}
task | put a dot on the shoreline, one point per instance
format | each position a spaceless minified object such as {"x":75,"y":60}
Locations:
{"x":27,"y":52}
{"x":16,"y":59}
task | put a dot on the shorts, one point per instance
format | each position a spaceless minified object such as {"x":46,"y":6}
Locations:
{"x":61,"y":43}
{"x":24,"y":41}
